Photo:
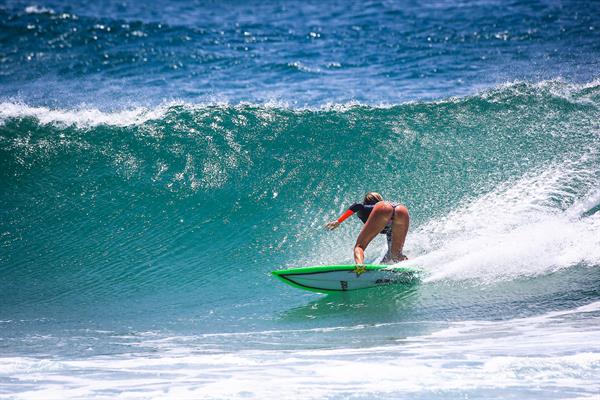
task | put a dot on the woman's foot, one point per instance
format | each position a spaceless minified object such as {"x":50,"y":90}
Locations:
{"x":388,"y":259}
{"x":401,"y":257}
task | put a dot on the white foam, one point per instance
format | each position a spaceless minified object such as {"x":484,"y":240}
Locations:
{"x":35,"y":9}
{"x":84,"y":117}
{"x":556,"y":87}
{"x":526,"y":354}
{"x":527,"y":227}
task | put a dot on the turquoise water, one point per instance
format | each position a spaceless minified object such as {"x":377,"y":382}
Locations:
{"x":158,"y":161}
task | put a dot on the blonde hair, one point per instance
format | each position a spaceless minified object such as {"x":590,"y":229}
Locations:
{"x":372,"y":198}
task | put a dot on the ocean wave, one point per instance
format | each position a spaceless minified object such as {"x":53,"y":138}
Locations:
{"x":499,"y":190}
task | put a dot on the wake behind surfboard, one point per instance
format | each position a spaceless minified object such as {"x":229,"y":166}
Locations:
{"x":340,"y":278}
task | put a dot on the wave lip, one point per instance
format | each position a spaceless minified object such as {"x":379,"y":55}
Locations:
{"x":85,"y":116}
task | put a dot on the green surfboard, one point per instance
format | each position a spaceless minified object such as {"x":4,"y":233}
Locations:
{"x":341,"y":278}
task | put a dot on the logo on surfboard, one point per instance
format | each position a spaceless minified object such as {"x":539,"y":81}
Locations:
{"x":359,"y":270}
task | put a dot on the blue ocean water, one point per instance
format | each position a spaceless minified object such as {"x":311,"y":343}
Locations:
{"x":158,"y":160}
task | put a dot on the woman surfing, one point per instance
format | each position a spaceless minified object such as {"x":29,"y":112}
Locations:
{"x":379,"y":217}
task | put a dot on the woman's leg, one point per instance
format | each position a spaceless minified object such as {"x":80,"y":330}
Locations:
{"x":387,"y":259}
{"x":400,"y":224}
{"x":378,"y":219}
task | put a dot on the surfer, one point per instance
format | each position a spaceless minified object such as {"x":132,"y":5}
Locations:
{"x":379,"y":216}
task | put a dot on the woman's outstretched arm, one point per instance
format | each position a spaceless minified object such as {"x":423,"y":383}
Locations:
{"x":334,"y":224}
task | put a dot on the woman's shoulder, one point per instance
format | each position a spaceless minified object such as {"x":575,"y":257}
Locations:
{"x":356,"y":207}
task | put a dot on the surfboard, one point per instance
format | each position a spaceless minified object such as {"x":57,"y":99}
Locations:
{"x":341,"y":278}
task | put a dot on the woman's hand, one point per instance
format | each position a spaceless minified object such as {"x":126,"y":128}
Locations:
{"x":332,"y":225}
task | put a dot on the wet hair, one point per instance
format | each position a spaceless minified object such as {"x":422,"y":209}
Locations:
{"x":372,"y":198}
